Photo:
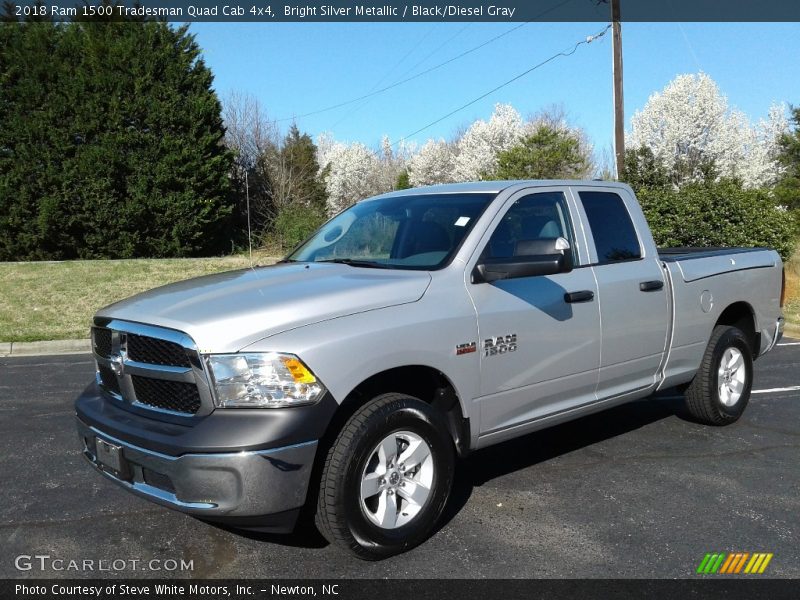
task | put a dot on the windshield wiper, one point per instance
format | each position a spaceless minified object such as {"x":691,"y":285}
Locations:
{"x":354,"y":262}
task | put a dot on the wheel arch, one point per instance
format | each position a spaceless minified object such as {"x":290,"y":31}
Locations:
{"x":742,"y":316}
{"x":420,"y":381}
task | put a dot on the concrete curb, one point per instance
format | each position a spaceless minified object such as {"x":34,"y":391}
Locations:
{"x":45,"y":348}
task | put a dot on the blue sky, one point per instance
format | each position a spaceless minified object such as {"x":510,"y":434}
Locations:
{"x":294,"y":68}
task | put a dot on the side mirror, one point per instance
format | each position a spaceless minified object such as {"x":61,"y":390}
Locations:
{"x":531,"y":258}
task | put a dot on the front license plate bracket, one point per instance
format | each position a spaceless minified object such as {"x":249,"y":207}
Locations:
{"x":109,"y":457}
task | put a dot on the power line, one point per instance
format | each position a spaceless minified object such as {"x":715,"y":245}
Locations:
{"x":402,"y":81}
{"x":689,"y":45}
{"x":405,"y":56}
{"x":386,"y":75}
{"x":421,"y":73}
{"x":355,"y":109}
{"x":435,"y":50}
{"x":588,"y":40}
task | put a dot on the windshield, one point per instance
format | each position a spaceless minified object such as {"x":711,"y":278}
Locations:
{"x":398,"y":232}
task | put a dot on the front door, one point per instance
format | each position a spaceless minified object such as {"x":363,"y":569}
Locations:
{"x":540,"y":352}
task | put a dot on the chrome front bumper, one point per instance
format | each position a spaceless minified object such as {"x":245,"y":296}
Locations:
{"x":231,"y":484}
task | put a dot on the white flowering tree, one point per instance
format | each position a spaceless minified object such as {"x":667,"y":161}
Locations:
{"x":689,"y":125}
{"x":349,"y":172}
{"x":764,"y":144}
{"x":392,"y":163}
{"x":432,"y":164}
{"x":353,"y":171}
{"x":476,"y":152}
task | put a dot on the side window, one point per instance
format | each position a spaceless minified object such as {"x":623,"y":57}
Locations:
{"x":542,"y":216}
{"x":614,"y":235}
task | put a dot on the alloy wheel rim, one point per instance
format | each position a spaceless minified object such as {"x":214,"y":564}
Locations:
{"x":731,"y":376}
{"x":397,"y":480}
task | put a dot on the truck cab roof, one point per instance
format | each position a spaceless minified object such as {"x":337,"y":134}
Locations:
{"x":472,"y":187}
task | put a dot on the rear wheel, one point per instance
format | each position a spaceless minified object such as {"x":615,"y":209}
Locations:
{"x":386,"y":478}
{"x":720,"y":391}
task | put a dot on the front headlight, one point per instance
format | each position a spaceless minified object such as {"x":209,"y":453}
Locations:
{"x":262,"y":380}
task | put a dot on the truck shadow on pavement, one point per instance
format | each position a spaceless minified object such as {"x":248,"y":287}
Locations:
{"x":305,"y":534}
{"x":547,"y":444}
{"x":508,"y":457}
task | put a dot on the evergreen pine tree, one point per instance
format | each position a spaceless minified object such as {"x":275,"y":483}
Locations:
{"x":110,"y":144}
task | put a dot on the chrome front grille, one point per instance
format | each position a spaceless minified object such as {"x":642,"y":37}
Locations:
{"x":151,"y":369}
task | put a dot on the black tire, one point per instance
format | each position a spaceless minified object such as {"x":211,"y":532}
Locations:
{"x":340,"y":515}
{"x":703,"y":397}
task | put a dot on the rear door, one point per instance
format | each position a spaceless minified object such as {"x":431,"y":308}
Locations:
{"x":633,"y":302}
{"x":539,"y":352}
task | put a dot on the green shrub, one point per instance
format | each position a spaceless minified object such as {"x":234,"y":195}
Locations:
{"x":295,"y":223}
{"x":717,"y":214}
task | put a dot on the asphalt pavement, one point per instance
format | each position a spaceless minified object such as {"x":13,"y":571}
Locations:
{"x":636,"y":491}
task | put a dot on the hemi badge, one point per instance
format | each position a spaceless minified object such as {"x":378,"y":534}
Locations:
{"x":465,"y":348}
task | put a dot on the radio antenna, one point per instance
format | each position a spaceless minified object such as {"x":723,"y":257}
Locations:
{"x":249,"y":232}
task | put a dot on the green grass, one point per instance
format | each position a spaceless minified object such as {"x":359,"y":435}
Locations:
{"x":56,"y":300}
{"x":791,"y":309}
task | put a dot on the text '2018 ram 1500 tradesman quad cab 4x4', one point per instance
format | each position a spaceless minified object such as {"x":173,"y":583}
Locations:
{"x":411,"y":328}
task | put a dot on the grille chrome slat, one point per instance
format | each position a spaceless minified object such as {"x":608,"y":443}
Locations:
{"x":151,"y":369}
{"x":167,"y":372}
{"x":109,"y":379}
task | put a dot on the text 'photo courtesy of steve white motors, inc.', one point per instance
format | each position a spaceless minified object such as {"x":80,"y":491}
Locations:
{"x":404,"y":299}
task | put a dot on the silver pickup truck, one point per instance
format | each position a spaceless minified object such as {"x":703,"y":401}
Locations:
{"x":413,"y":328}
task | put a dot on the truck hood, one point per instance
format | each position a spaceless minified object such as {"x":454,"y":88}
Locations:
{"x":225,"y":312}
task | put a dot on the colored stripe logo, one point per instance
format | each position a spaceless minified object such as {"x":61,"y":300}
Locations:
{"x":734,"y":563}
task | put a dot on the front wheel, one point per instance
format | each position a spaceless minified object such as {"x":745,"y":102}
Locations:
{"x":386,"y":478}
{"x":720,"y":391}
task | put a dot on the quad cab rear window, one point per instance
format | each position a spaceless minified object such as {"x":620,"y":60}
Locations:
{"x":614,"y":234}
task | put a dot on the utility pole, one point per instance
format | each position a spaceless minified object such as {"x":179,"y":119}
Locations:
{"x":619,"y":111}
